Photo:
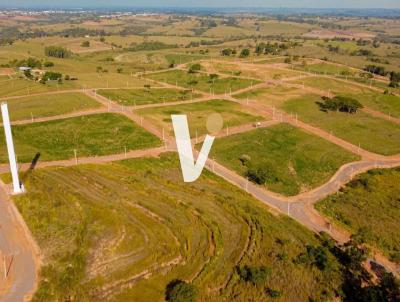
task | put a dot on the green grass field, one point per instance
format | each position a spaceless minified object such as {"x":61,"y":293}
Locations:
{"x":385,"y":103}
{"x":202,"y":81}
{"x":100,"y":225}
{"x":371,"y":203}
{"x":325,"y":68}
{"x":133,"y":97}
{"x":271,"y":96}
{"x":49,"y":105}
{"x":373,"y":134}
{"x":293,"y":160}
{"x":91,"y":135}
{"x":334,"y":86}
{"x":233,"y":114}
{"x":16,"y":87}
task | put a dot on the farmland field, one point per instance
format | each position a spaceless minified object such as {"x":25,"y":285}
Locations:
{"x":371,"y":133}
{"x":292,"y":160}
{"x":370,"y":204}
{"x":197,"y":113}
{"x":334,"y":86}
{"x":205,"y":227}
{"x":202,"y":82}
{"x":91,"y":135}
{"x":49,"y":105}
{"x":131,"y":97}
{"x":271,"y":96}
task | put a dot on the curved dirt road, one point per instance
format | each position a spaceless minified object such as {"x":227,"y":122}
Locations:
{"x":22,"y":253}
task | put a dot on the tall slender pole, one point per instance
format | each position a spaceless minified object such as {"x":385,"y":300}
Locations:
{"x":10,"y":148}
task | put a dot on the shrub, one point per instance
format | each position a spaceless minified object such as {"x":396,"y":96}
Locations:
{"x":52,"y":76}
{"x":180,"y":291}
{"x":48,"y":64}
{"x":194,"y":68}
{"x":255,"y":275}
{"x":257,"y":175}
{"x":85,"y":44}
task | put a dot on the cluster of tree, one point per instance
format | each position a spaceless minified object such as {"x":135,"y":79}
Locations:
{"x":378,"y":60}
{"x":358,"y":284}
{"x":317,"y":256}
{"x":151,"y":45}
{"x":81,"y":32}
{"x":30,"y":62}
{"x":133,"y":30}
{"x":394,"y":79}
{"x":204,"y":43}
{"x":10,"y":34}
{"x":209,"y":23}
{"x":57,"y":52}
{"x":362,"y":52}
{"x":255,"y":275}
{"x":335,"y":49}
{"x":340,"y":103}
{"x":51,"y":76}
{"x":270,"y":48}
{"x":379,"y":70}
{"x":180,"y":291}
{"x":101,"y":69}
{"x":228,"y":52}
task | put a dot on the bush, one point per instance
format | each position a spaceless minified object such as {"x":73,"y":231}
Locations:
{"x":48,"y":64}
{"x":194,"y":68}
{"x":255,"y":275}
{"x":257,"y":175}
{"x":85,"y":44}
{"x":180,"y":291}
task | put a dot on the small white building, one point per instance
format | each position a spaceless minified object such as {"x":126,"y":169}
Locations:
{"x":24,"y":68}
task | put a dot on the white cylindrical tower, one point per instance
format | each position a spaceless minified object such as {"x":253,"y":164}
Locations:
{"x":10,"y":148}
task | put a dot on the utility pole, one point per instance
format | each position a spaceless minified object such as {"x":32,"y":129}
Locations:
{"x":288,"y":208}
{"x":76,"y":158}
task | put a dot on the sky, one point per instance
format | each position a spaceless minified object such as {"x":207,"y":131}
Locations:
{"x":205,"y":3}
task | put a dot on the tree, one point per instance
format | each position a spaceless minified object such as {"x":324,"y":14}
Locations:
{"x":180,"y":291}
{"x":340,"y":103}
{"x":245,"y":53}
{"x":394,"y":79}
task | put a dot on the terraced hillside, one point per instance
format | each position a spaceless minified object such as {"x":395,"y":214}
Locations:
{"x":123,"y":231}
